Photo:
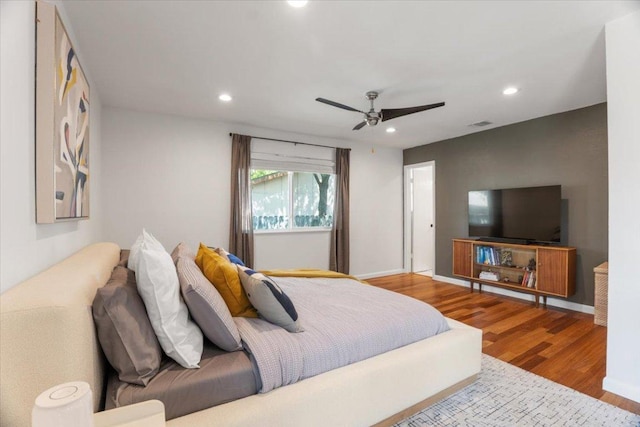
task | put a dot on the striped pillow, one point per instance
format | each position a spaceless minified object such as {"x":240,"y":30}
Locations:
{"x":206,"y":306}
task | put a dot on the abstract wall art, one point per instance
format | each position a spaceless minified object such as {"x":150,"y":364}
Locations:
{"x":62,"y":123}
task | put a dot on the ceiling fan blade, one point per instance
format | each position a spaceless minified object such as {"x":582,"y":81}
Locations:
{"x":360,"y":125}
{"x":337,"y":104}
{"x":393,"y":113}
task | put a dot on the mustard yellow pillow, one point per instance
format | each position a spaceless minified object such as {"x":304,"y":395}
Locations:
{"x":224,"y":277}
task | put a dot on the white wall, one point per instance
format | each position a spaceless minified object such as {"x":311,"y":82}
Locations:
{"x":170,"y":174}
{"x":376,"y":211}
{"x":27,"y":248}
{"x":623,"y":108}
{"x":305,"y":249}
{"x":167,"y":174}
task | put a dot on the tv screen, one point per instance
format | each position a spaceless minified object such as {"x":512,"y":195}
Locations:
{"x":531,"y":214}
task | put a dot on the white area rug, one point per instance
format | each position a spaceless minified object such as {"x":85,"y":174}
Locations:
{"x":507,"y":396}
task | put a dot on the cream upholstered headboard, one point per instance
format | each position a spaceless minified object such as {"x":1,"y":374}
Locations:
{"x":47,"y":335}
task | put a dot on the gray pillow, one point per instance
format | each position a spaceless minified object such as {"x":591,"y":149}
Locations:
{"x":124,"y":330}
{"x":206,"y":306}
{"x":124,"y":257}
{"x":272,"y":303}
{"x":182,"y":250}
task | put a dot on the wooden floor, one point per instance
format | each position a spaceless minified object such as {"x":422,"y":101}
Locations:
{"x":561,"y":345}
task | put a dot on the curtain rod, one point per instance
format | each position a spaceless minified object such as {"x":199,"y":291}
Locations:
{"x":292,"y":142}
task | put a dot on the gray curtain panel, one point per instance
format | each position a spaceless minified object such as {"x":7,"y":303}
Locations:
{"x":339,"y":252}
{"x":241,"y":229}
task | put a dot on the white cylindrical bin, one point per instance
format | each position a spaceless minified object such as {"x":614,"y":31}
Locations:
{"x":68,"y":404}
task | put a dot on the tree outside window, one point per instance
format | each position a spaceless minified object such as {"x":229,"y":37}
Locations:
{"x":286,"y":200}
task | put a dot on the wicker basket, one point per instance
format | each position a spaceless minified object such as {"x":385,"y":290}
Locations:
{"x":602,"y":291}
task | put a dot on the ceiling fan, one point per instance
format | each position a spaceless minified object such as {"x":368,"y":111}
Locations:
{"x":372,"y":118}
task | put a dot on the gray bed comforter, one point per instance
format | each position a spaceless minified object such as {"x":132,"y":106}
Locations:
{"x":344,"y":321}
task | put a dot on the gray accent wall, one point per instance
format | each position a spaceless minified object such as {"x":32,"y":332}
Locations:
{"x":569,"y":149}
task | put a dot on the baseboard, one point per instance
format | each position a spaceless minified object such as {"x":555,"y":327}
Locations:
{"x":621,"y":389}
{"x":554,"y":302}
{"x":451,"y":280}
{"x":380,"y":274}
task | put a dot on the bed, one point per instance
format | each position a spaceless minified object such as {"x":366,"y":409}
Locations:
{"x":47,"y":326}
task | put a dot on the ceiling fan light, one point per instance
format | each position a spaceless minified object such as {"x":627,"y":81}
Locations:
{"x":510,"y":91}
{"x":372,"y":117}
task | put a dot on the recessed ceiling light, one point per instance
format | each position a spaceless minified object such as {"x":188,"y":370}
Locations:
{"x":391,"y":130}
{"x":510,"y":90}
{"x":225,"y":97}
{"x":297,"y":3}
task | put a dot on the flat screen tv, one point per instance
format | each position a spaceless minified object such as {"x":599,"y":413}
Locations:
{"x":520,"y":215}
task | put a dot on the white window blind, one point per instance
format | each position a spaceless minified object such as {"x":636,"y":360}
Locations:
{"x":273,"y":155}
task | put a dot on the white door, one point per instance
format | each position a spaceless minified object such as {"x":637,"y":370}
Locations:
{"x":419,"y":221}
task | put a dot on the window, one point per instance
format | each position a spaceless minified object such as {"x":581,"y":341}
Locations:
{"x":287,"y":200}
{"x":292,"y":186}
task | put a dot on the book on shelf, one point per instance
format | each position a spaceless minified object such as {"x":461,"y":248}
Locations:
{"x":531,"y":283}
{"x":489,"y":275}
{"x":529,"y":279}
{"x":506,"y":257}
{"x":488,"y":255}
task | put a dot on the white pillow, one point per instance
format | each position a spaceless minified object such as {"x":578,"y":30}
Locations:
{"x":150,"y":242}
{"x":157,"y":283}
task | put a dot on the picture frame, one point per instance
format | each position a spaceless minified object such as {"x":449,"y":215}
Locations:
{"x":62,"y":123}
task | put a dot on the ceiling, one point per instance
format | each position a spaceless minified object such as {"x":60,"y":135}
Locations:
{"x":176,"y":57}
